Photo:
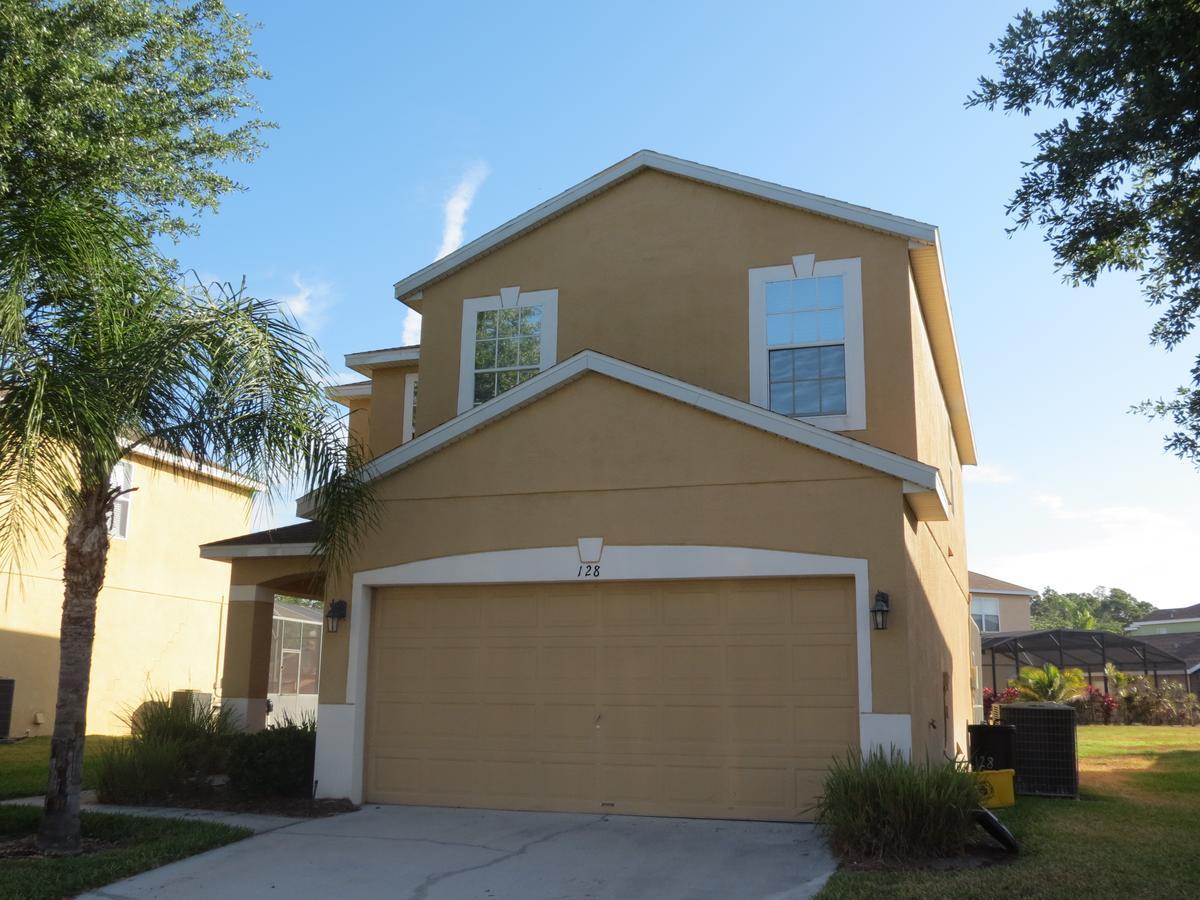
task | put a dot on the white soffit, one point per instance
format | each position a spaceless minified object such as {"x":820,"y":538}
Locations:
{"x":922,"y":486}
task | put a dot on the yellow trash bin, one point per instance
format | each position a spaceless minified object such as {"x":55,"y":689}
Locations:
{"x":996,"y":788}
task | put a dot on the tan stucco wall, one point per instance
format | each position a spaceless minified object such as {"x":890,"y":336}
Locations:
{"x":940,"y":636}
{"x":601,"y":458}
{"x":160,"y":619}
{"x":654,"y":271}
{"x":387,"y":407}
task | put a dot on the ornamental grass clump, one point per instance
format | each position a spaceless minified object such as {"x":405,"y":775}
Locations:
{"x":883,"y":807}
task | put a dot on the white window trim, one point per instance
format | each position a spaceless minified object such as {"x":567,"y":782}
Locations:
{"x":126,"y":499}
{"x":410,"y":388}
{"x":508,"y":298}
{"x":341,"y":737}
{"x":806,"y":266}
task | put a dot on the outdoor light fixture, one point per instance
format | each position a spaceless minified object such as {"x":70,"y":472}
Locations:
{"x":335,"y":614}
{"x":879,"y":612}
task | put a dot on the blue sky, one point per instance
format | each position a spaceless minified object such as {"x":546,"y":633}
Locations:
{"x":400,"y":124}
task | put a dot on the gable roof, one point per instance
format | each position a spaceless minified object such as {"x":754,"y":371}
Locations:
{"x":922,"y":483}
{"x":925,"y":255}
{"x":986,"y":584}
{"x":406,"y":289}
{"x":1170,"y":615}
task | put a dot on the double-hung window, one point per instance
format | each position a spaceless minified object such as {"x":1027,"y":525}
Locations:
{"x":506,"y":340}
{"x":806,"y":346}
{"x":806,"y":349}
{"x":986,"y":613}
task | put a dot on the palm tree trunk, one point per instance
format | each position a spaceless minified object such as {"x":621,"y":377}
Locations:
{"x":83,"y":576}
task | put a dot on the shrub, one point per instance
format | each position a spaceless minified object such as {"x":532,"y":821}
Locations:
{"x":172,"y":754}
{"x":1049,"y":683}
{"x":275,"y":762}
{"x":882,"y":806}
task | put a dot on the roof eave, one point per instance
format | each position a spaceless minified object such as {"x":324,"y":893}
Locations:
{"x":921,"y":483}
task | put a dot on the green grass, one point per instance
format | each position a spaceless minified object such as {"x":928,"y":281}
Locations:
{"x":25,"y":765}
{"x":1133,"y":833}
{"x":137,"y":844}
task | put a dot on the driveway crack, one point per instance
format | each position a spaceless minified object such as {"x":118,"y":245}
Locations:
{"x":422,"y":890}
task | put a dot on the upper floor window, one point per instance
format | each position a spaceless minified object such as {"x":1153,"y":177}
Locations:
{"x":411,"y":383}
{"x":118,"y":517}
{"x":986,"y":613}
{"x":506,"y":340}
{"x":806,"y":351}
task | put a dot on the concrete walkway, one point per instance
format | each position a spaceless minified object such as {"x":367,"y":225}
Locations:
{"x":256,"y":823}
{"x":424,"y":853}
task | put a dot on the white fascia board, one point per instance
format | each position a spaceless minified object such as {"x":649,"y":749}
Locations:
{"x":1162,"y":622}
{"x":918,"y":476}
{"x":244,"y":551}
{"x":176,"y":461}
{"x":348,"y":391}
{"x":981,"y":592}
{"x":921,"y":232}
{"x":367,"y":360}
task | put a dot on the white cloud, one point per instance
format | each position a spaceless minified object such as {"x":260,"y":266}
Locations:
{"x":1147,"y":552}
{"x":309,"y":303}
{"x":988,"y":475}
{"x":458,"y":204}
{"x":411,"y":333}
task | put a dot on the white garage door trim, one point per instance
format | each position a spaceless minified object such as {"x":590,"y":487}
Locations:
{"x":342,"y":733}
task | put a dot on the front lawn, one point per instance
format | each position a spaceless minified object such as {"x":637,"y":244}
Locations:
{"x":25,"y":765}
{"x":121,"y":846}
{"x":1133,"y":833}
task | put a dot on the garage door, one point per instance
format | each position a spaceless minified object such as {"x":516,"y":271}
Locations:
{"x":708,"y":698}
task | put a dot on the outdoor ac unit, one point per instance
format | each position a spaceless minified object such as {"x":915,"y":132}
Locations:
{"x":199,"y":702}
{"x":8,"y":688}
{"x":1047,"y":763}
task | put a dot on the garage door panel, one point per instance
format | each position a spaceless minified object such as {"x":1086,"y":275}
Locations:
{"x":715,"y":698}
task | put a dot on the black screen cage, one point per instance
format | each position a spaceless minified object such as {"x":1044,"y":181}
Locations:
{"x":1006,"y":653}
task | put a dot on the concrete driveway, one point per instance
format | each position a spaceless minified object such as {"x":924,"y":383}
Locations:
{"x":424,"y":853}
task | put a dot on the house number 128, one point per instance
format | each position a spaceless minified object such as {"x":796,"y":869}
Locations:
{"x":591,"y":570}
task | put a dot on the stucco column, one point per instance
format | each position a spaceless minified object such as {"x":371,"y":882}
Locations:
{"x":247,"y":654}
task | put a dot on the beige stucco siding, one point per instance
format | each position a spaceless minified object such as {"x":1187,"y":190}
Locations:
{"x":602,"y":458}
{"x":655,"y":272}
{"x":160,"y":618}
{"x":387,"y":407}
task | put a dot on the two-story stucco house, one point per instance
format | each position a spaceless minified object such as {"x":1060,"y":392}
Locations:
{"x":676,"y":430}
{"x":160,"y":618}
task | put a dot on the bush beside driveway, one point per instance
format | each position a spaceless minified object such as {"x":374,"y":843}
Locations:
{"x":1133,"y":832}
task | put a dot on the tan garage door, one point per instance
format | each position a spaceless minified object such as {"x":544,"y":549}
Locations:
{"x":706,"y":698}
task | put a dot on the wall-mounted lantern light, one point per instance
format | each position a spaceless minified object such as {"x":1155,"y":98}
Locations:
{"x":879,"y":612}
{"x":334,"y":615}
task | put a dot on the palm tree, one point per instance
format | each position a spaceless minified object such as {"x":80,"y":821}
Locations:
{"x":1049,"y":683}
{"x":102,"y":351}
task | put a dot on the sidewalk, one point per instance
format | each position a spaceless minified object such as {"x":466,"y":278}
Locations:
{"x":259,"y":824}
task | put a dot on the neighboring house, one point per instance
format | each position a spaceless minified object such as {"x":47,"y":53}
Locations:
{"x":999,"y":605}
{"x":676,"y":429}
{"x":1185,"y":646}
{"x":1168,"y":621}
{"x":160,"y":618}
{"x":295,"y":664}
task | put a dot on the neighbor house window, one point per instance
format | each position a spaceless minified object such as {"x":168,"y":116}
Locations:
{"x":986,"y":613}
{"x":506,"y":341}
{"x":118,"y":517}
{"x":806,"y":355}
{"x":295,"y":657}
